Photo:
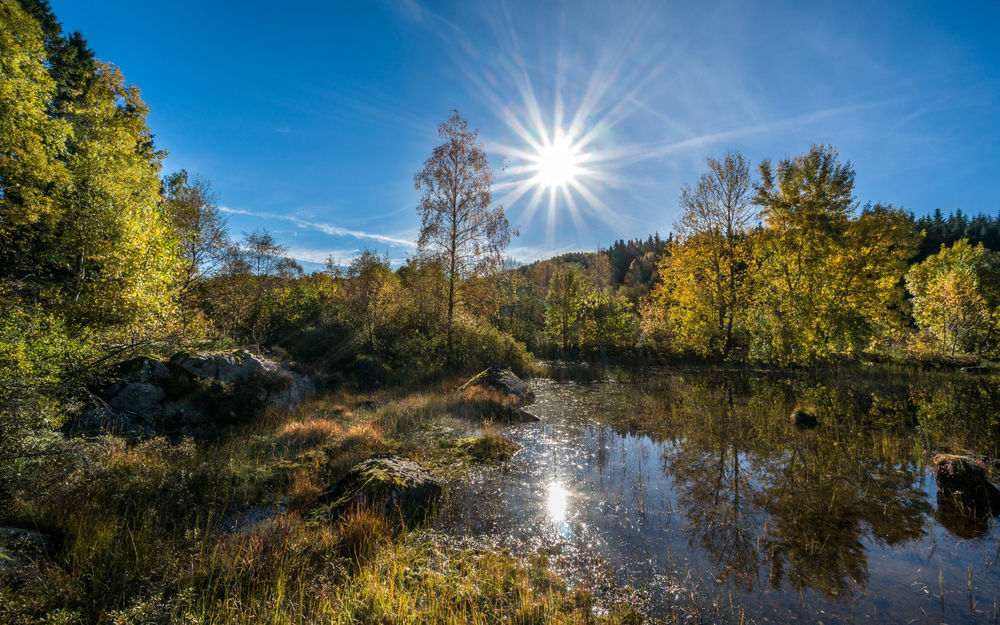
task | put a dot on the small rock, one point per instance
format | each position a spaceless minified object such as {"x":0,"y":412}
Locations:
{"x":399,"y":487}
{"x":804,"y":420}
{"x":528,"y":417}
{"x":20,"y":547}
{"x":504,"y":381}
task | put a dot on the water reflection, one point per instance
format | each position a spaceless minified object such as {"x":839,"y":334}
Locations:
{"x":556,"y":500}
{"x":838,"y":522}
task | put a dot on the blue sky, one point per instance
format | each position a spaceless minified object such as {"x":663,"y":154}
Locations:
{"x":310,"y":118}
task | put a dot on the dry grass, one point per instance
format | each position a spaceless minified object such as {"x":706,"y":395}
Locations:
{"x":309,"y":432}
{"x":144,"y":538}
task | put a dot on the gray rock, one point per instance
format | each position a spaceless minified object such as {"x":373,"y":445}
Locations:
{"x":399,"y":487}
{"x":139,"y":398}
{"x":191,"y":393}
{"x":226,"y":367}
{"x":503,"y":381}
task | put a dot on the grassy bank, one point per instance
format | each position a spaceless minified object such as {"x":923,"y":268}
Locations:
{"x":166,"y":531}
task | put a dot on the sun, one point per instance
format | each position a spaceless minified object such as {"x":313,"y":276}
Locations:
{"x":557,"y":164}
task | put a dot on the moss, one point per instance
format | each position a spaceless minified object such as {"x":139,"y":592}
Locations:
{"x":487,"y":447}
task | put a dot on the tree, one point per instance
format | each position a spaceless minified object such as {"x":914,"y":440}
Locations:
{"x":458,"y":227}
{"x":956,"y":294}
{"x":115,"y":254}
{"x":607,"y":322}
{"x":704,"y":286}
{"x":201,"y":231}
{"x":371,"y":293}
{"x":828,"y":280}
{"x":243,"y":299}
{"x":563,"y":303}
{"x":32,"y":142}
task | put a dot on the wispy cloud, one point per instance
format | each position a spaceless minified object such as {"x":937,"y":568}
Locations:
{"x":325,"y":228}
{"x":319,"y":257}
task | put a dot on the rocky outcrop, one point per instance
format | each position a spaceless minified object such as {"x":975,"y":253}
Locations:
{"x":19,"y":548}
{"x":965,"y":482}
{"x":192,"y":394}
{"x":503,"y":381}
{"x":397,"y":486}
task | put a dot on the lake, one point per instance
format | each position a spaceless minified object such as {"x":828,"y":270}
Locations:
{"x":694,"y":485}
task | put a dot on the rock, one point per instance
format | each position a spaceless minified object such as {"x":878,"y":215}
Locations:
{"x":966,"y":482}
{"x":804,"y":420}
{"x":191,"y":394}
{"x":20,"y":547}
{"x":527,"y":417}
{"x":225,"y":367}
{"x":399,"y":487}
{"x":138,"y":397}
{"x":503,"y":381}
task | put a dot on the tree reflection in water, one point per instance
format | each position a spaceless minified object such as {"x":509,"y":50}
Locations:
{"x":760,"y":495}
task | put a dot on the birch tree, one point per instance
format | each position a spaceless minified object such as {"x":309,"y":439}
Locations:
{"x":459,"y":228}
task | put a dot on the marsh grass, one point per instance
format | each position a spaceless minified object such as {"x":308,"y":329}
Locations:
{"x":146,"y":535}
{"x":489,"y":446}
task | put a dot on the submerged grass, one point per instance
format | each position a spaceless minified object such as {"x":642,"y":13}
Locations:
{"x":148,"y":531}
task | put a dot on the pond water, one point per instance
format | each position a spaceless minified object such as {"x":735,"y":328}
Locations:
{"x":673,"y":480}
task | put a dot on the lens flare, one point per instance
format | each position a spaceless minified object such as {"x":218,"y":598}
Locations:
{"x":557,"y":165}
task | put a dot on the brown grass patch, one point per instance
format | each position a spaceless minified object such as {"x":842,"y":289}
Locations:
{"x":361,"y":532}
{"x":309,"y":432}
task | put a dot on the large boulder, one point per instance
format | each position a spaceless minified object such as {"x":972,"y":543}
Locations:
{"x":965,"y":481}
{"x":397,"y":486}
{"x":502,"y":381}
{"x":192,"y":394}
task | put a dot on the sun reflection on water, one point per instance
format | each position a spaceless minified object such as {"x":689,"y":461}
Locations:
{"x":556,"y":502}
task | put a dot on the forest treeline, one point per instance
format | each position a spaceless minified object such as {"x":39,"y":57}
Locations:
{"x":103,"y":257}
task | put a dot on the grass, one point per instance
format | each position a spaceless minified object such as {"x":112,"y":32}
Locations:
{"x":488,"y":447}
{"x":142,"y":529}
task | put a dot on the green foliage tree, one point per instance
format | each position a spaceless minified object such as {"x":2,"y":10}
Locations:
{"x":458,"y":227}
{"x":828,"y":281}
{"x":563,"y":303}
{"x":371,"y":293}
{"x":608,"y":323}
{"x":956,"y":295}
{"x":114,"y":251}
{"x":32,"y":143}
{"x":704,"y":289}
{"x":201,"y":232}
{"x":244,"y":300}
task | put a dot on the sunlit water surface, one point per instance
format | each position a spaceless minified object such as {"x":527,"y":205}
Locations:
{"x":724,"y":496}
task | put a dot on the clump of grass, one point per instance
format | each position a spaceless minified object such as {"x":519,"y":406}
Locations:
{"x":305,"y":490}
{"x":363,"y":435}
{"x":489,"y":446}
{"x":309,"y":432}
{"x":361,"y":531}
